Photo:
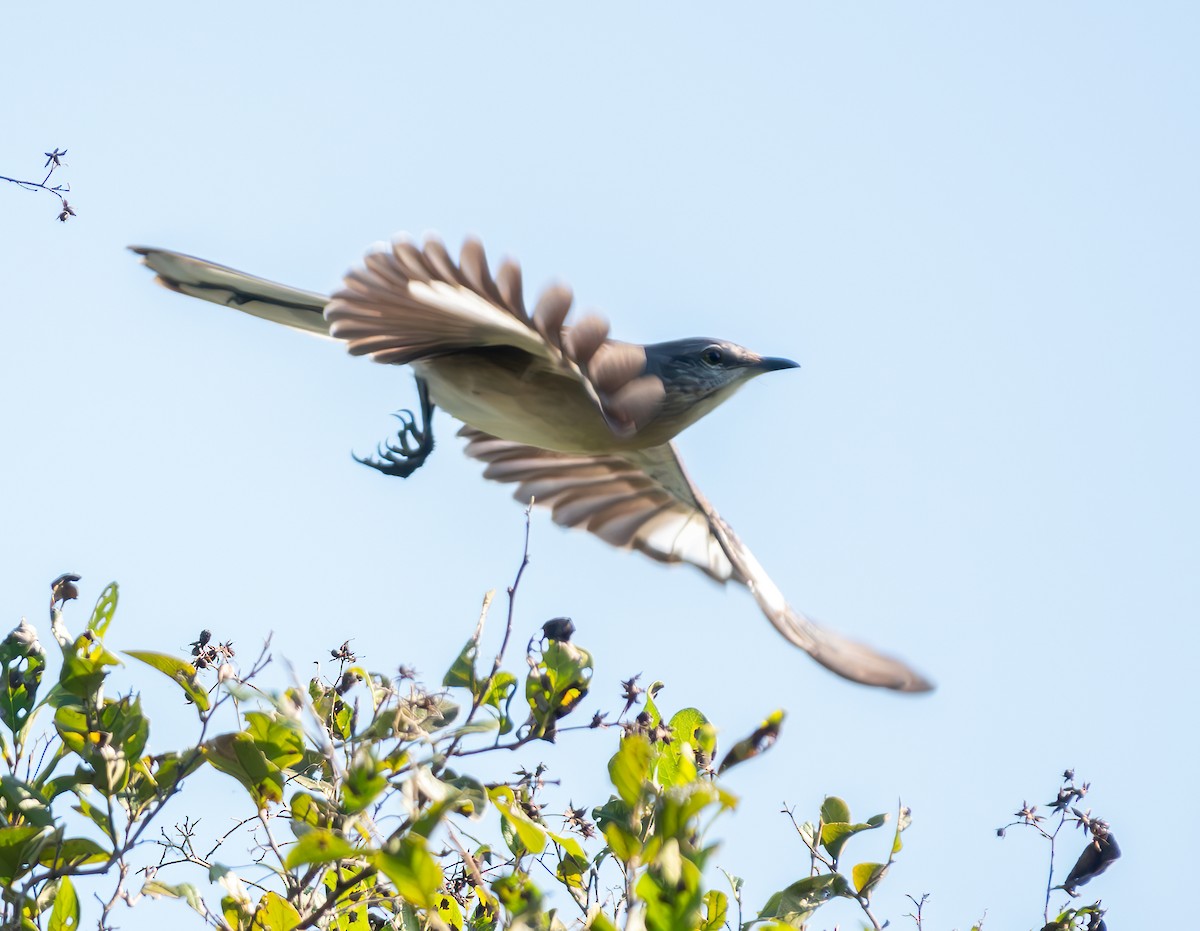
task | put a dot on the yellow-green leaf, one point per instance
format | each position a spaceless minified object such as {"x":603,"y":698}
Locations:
{"x":412,"y":870}
{"x":319,"y":845}
{"x":106,"y":606}
{"x":65,"y":914}
{"x":716,"y":906}
{"x":274,"y":913}
{"x":629,"y":768}
{"x":867,"y":875}
{"x":449,"y":912}
{"x":72,"y":852}
{"x":531,"y":834}
{"x":182,"y":672}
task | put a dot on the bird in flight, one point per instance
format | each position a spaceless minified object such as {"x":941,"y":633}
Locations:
{"x":582,"y":424}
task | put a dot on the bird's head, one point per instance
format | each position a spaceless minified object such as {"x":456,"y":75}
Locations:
{"x":698,"y":374}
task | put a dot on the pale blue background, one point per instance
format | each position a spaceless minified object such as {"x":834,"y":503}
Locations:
{"x":975,"y":227}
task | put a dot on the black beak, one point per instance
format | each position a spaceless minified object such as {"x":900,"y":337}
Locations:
{"x":775,"y":364}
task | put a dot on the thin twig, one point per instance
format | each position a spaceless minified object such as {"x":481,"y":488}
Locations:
{"x":486,"y":686}
{"x":512,"y":594}
{"x":333,"y":895}
{"x":53,"y":161}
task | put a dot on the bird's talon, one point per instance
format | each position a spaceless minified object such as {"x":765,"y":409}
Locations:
{"x":412,"y":444}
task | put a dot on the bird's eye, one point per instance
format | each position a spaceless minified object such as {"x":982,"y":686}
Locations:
{"x":712,"y":355}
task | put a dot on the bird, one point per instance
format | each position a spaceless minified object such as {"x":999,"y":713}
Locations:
{"x":580,"y":423}
{"x":1100,"y":853}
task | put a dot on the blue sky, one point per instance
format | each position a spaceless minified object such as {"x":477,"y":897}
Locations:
{"x":974,"y":226}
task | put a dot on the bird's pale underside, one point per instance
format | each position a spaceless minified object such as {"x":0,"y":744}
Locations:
{"x":577,"y":421}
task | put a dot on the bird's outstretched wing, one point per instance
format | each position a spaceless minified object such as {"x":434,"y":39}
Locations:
{"x":619,"y":501}
{"x":409,"y":303}
{"x":644,"y":500}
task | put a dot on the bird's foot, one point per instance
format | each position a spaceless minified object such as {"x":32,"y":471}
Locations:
{"x":413,"y":444}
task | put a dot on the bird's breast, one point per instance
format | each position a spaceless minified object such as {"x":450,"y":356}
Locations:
{"x":519,"y":398}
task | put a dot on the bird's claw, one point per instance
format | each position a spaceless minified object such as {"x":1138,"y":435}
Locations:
{"x":412,"y":445}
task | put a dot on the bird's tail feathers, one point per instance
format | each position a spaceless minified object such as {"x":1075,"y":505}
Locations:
{"x":293,"y":307}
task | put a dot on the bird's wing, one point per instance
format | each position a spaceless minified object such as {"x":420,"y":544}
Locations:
{"x":645,"y":500}
{"x":299,"y":309}
{"x":612,"y":497}
{"x":409,"y":303}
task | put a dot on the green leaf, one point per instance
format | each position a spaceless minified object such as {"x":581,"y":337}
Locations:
{"x":651,"y":708}
{"x":183,"y":673}
{"x":22,"y":662}
{"x":716,"y":907}
{"x":461,"y":673}
{"x":72,"y":852}
{"x":186,"y":891}
{"x":65,"y":914}
{"x":834,"y":836}
{"x":692,"y":745}
{"x":624,"y":844}
{"x":18,"y":850}
{"x":836,"y":828}
{"x":629,"y":768}
{"x":102,"y":614}
{"x":239,"y":756}
{"x":676,"y":808}
{"x":350,"y":913}
{"x":308,"y":812}
{"x":499,"y":695}
{"x":108,"y":741}
{"x":556,"y":684}
{"x":867,"y":875}
{"x":154,"y":778}
{"x":834,"y":810}
{"x":671,"y":891}
{"x":472,"y":797}
{"x":280,"y":738}
{"x":796,"y":904}
{"x":23,"y":801}
{"x":365,"y":782}
{"x":570,"y":844}
{"x":598,"y":921}
{"x":412,"y":870}
{"x":448,"y":911}
{"x":573,"y":862}
{"x":274,"y":913}
{"x":518,"y":894}
{"x":532,"y":836}
{"x":83,"y":666}
{"x":569,"y":871}
{"x":93,"y":813}
{"x":319,"y":846}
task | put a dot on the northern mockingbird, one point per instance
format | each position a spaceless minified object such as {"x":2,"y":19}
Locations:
{"x":578,"y":422}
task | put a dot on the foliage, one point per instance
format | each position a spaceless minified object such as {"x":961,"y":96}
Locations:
{"x":361,"y":812}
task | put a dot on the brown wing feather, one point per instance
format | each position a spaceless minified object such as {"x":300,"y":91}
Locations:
{"x":606,"y":495}
{"x":408,"y":303}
